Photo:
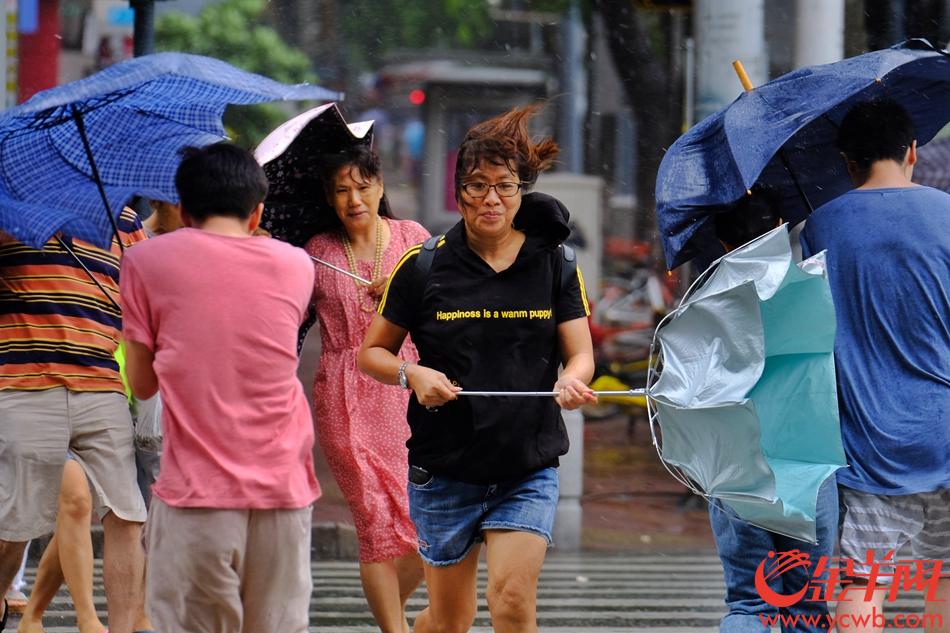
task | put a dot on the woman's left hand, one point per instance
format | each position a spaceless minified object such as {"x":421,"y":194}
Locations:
{"x":572,"y":393}
{"x":378,"y":285}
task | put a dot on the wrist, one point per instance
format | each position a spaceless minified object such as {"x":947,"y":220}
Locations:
{"x":401,"y":376}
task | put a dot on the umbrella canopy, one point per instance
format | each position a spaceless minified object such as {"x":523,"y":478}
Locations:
{"x":291,"y":156}
{"x":933,"y":165}
{"x":783,"y":133}
{"x":132,"y":118}
{"x":746,"y":401}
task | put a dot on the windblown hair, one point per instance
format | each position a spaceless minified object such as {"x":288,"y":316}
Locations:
{"x":366,"y":163}
{"x":221,"y":179}
{"x":504,"y":140}
{"x":876,"y":130}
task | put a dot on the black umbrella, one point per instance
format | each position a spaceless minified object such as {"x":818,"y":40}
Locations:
{"x":292,"y":157}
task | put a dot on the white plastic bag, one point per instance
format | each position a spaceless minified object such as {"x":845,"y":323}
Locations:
{"x":147,"y":415}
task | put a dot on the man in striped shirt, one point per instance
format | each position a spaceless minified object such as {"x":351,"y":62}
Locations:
{"x":60,"y":391}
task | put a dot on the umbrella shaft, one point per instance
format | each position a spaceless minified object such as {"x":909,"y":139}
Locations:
{"x":77,"y":117}
{"x":66,"y":247}
{"x":546,"y":394}
{"x":340,"y":270}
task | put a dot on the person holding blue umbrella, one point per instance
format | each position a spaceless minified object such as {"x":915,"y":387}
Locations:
{"x":60,"y":390}
{"x":888,"y":244}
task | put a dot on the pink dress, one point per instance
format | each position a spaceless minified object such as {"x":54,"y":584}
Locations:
{"x":361,"y":424}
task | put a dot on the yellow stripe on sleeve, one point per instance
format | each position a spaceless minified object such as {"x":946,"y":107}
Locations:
{"x":580,"y":281}
{"x":413,"y":250}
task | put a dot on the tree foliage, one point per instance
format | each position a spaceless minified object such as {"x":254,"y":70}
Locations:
{"x":232,"y":31}
{"x":373,"y":27}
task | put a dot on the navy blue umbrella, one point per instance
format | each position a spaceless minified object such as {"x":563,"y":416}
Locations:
{"x":71,"y":152}
{"x":783,"y":134}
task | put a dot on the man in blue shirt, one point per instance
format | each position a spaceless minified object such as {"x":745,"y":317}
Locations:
{"x":888,"y":244}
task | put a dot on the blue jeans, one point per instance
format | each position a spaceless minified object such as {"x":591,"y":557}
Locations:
{"x":451,"y":515}
{"x":742,"y":547}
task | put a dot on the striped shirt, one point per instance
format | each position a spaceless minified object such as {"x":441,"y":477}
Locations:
{"x":57,"y":329}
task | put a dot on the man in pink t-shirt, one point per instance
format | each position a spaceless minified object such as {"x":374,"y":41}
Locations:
{"x":210,"y":319}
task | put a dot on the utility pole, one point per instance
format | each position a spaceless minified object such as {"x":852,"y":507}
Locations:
{"x":143,"y":30}
{"x":727,"y":30}
{"x":573,"y":85}
{"x":819,"y":32}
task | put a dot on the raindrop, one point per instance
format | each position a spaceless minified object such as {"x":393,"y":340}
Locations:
{"x":582,"y":579}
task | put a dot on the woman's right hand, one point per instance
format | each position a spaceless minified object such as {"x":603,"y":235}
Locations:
{"x":432,"y":388}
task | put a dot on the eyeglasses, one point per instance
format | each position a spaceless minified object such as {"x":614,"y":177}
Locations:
{"x":481,"y":189}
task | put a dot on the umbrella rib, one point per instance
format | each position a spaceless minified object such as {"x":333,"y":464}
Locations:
{"x":798,"y":186}
{"x":60,"y":114}
{"x":781,"y":152}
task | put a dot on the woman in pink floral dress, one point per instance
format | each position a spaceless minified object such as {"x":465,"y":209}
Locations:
{"x":361,"y":424}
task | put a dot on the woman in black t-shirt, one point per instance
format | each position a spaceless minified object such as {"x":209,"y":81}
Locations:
{"x":493,"y":309}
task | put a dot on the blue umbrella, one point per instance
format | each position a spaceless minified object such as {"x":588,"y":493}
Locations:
{"x":783,"y":134}
{"x":72,"y":151}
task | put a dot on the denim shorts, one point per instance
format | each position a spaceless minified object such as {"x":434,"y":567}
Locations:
{"x":451,"y":515}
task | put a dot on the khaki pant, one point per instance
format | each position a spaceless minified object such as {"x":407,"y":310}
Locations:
{"x":37,"y":428}
{"x":228,"y":571}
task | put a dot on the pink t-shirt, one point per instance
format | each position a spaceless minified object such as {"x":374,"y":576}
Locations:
{"x":221,"y":316}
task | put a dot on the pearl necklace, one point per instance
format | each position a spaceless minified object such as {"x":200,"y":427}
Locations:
{"x":377,"y":265}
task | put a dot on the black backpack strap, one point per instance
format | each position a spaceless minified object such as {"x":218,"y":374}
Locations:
{"x":423,"y":266}
{"x":568,"y":266}
{"x":566,"y":270}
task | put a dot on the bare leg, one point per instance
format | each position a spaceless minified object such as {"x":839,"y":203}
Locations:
{"x":142,"y":622}
{"x":123,"y":570}
{"x":514,"y":565}
{"x":387,"y":586}
{"x":11,"y":555}
{"x":850,"y":614}
{"x":939,"y":609}
{"x":75,"y":544}
{"x":410,"y":571}
{"x":49,"y":578}
{"x":452,"y":597}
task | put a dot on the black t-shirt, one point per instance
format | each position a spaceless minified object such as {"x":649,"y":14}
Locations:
{"x":487,"y":331}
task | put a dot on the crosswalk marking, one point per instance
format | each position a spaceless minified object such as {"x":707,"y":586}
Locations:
{"x":596,"y":592}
